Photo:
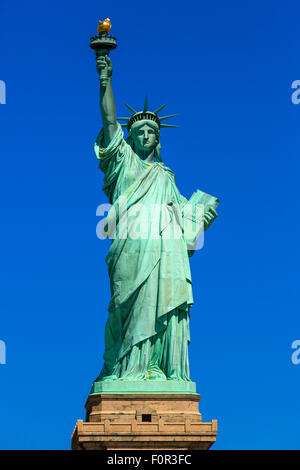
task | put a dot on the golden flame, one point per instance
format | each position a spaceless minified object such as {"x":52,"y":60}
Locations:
{"x":104,"y":26}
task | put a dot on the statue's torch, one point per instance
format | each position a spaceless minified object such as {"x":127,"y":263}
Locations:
{"x":103,"y":44}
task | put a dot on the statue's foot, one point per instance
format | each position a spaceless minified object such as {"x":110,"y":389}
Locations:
{"x":178,"y":378}
{"x":155,"y":373}
{"x":109,"y":377}
{"x":132,"y":378}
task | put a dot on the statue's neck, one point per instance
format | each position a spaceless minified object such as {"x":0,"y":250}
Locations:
{"x":146,"y":155}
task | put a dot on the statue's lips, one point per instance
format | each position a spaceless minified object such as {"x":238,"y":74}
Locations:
{"x":147,"y":147}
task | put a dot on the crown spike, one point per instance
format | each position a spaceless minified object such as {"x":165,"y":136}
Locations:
{"x":167,"y":117}
{"x":133,"y":111}
{"x":159,"y":109}
{"x":167,"y":125}
{"x":123,"y":119}
{"x":123,"y":125}
{"x":146,"y":105}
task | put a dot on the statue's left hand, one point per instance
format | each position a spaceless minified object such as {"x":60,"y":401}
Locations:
{"x":209,"y":217}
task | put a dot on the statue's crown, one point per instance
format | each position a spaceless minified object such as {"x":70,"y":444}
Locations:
{"x":145,"y":114}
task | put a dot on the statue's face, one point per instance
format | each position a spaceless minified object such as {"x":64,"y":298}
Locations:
{"x":145,"y":138}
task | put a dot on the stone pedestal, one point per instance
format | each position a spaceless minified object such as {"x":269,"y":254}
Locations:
{"x":143,"y":422}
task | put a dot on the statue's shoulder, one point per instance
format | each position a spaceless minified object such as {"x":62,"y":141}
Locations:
{"x":167,"y":169}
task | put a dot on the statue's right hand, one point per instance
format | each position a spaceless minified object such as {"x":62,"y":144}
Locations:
{"x":104,"y":66}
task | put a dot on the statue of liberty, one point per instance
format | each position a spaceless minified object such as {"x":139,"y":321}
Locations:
{"x":147,"y":330}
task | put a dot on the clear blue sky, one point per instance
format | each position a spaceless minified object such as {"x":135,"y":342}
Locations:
{"x":227,"y":69}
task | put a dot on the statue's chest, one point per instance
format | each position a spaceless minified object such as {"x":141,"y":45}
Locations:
{"x":154,"y":176}
{"x":130,"y":175}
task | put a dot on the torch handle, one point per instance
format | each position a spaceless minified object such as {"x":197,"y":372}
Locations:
{"x":103,"y":76}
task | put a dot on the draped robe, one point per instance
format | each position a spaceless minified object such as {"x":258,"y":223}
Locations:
{"x":147,"y":330}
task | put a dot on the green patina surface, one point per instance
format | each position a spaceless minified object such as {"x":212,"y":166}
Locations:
{"x":144,"y":387}
{"x":147,"y":330}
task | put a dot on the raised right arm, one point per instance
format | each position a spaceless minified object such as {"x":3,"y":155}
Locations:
{"x":107,"y":100}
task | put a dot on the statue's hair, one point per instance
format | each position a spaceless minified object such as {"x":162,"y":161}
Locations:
{"x":130,"y":138}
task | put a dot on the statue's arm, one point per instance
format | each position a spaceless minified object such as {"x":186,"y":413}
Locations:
{"x":107,"y":100}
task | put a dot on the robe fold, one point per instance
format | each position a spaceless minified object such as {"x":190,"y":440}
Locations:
{"x":150,"y":278}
